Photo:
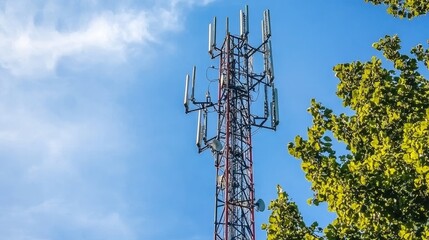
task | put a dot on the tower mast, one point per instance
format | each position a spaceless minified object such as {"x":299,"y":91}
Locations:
{"x":237,"y":113}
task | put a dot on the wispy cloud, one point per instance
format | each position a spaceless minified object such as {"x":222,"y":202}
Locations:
{"x":32,"y":46}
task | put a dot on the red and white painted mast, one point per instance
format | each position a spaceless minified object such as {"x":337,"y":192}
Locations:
{"x":238,"y":110}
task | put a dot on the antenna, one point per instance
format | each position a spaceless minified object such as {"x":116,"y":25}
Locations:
{"x":275,"y":109}
{"x":244,"y":22}
{"x":266,"y":59}
{"x":266,"y":113}
{"x":201,"y":127}
{"x":199,"y":136}
{"x":268,"y":62}
{"x":204,"y":127}
{"x":216,"y":145}
{"x":212,"y":36}
{"x":220,"y":181}
{"x":260,"y":205}
{"x":271,"y":70}
{"x":214,"y":32}
{"x":242,"y":27}
{"x":194,"y":70}
{"x":246,"y":8}
{"x":266,"y":25}
{"x":263,"y":30}
{"x":185,"y":101}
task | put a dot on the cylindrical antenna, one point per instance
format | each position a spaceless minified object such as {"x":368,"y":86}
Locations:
{"x":267,"y":23}
{"x":271,"y":62}
{"x":263,"y":30}
{"x":266,"y":53}
{"x":198,"y":140}
{"x":264,"y":26}
{"x":266,"y":112}
{"x":242,"y":24}
{"x":275,"y":109}
{"x":204,"y":129}
{"x":185,"y":100}
{"x":246,"y":11}
{"x":227,"y":25}
{"x":214,"y":31}
{"x":212,"y":35}
{"x":210,"y":38}
{"x":194,"y":70}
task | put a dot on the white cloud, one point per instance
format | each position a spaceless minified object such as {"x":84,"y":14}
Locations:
{"x":33,"y":47}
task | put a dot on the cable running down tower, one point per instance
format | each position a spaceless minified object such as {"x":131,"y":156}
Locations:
{"x":246,"y":98}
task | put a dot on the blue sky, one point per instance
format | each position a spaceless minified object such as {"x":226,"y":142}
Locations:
{"x":94,"y":142}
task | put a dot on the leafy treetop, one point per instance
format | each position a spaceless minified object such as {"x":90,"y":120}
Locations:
{"x":379,"y":189}
{"x":286,"y":221}
{"x":404,"y":8}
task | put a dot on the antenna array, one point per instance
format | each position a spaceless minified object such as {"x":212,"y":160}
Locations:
{"x":238,"y":109}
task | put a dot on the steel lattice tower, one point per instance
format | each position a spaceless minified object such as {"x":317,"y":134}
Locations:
{"x":238,"y":85}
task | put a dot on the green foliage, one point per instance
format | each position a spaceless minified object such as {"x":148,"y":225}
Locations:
{"x":286,"y":222}
{"x":379,"y":189}
{"x":404,"y":8}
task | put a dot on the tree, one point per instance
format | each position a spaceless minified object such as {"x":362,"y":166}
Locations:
{"x":379,"y":189}
{"x":286,"y":221}
{"x":404,"y":8}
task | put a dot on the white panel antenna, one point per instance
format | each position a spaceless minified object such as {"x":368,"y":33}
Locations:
{"x":201,"y":128}
{"x":185,"y":100}
{"x":199,"y":136}
{"x":194,"y":70}
{"x":244,"y":22}
{"x":246,"y":11}
{"x":221,"y":181}
{"x":271,"y":70}
{"x":266,"y":111}
{"x":204,"y":126}
{"x":275,"y":109}
{"x":268,"y":61}
{"x":214,"y":31}
{"x":266,"y":53}
{"x":210,"y":38}
{"x":266,"y":25}
{"x":263,"y":30}
{"x":212,"y":35}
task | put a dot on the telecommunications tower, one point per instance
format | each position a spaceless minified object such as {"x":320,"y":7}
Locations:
{"x":246,"y":99}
